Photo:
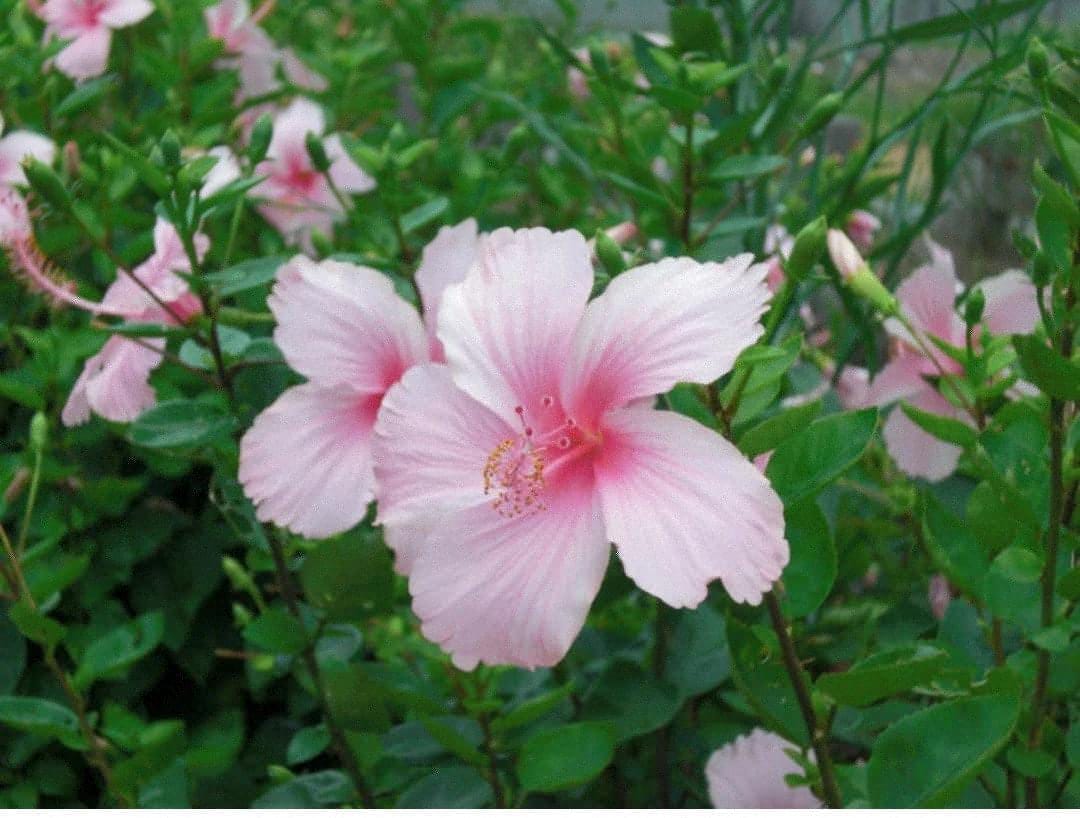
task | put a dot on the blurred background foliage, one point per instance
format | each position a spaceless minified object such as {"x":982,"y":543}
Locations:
{"x":207,"y":681}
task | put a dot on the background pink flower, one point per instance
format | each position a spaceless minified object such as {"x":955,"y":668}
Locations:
{"x":503,"y":476}
{"x":89,"y":24}
{"x":115,"y":382}
{"x":306,"y":461}
{"x":749,"y":774}
{"x":18,"y":146}
{"x":926,"y":298}
{"x":297,"y":199}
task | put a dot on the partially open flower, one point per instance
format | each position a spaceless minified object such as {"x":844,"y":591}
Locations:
{"x":750,"y":773}
{"x":88,"y":25}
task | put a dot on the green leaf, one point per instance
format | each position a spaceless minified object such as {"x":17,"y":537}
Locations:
{"x":350,"y":578}
{"x":764,"y":682}
{"x":698,"y":659}
{"x":84,"y":95}
{"x":424,"y":214}
{"x":12,"y":656}
{"x":531,"y":709}
{"x":811,"y":571}
{"x":276,"y":631}
{"x":1011,"y":587}
{"x":956,"y":552}
{"x":685,"y":399}
{"x":746,"y":167}
{"x":246,"y":275}
{"x":215,"y":744}
{"x":928,"y":758}
{"x":883,"y":675}
{"x":958,"y":22}
{"x":943,"y":428}
{"x":306,"y":744}
{"x":565,"y":757}
{"x":635,"y":702}
{"x":329,"y":788}
{"x":806,"y":462}
{"x":448,"y":788}
{"x":119,"y":649}
{"x":1054,"y":375}
{"x":35,"y":626}
{"x":771,"y":432}
{"x":148,"y":172}
{"x":638,"y":191}
{"x":694,"y":29}
{"x":356,"y":698}
{"x":451,"y":739}
{"x":180,"y":423}
{"x":40,"y":717}
{"x":1030,"y":763}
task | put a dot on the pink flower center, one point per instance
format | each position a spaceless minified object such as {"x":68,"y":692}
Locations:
{"x":88,"y":12}
{"x":518,"y":468}
{"x":302,"y":179}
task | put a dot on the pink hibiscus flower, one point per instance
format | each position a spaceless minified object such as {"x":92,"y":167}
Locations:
{"x":297,"y":199}
{"x":926,"y":299}
{"x":253,"y":54}
{"x":861,"y":228}
{"x":115,"y":383}
{"x":749,"y":774}
{"x":306,"y":461}
{"x":88,"y":24}
{"x":503,"y":477}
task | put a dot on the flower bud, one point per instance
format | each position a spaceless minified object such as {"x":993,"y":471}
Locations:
{"x":170,"y":149}
{"x":609,"y":254}
{"x":807,"y":249}
{"x":47,"y":184}
{"x":1042,"y":269}
{"x":974,"y":305}
{"x":1038,"y":61}
{"x":319,"y":160}
{"x":820,"y":115}
{"x":857,"y":274}
{"x":321,"y":243}
{"x":261,"y":134}
{"x":39,"y":432}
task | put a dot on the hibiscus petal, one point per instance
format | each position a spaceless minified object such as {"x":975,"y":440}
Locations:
{"x":927,"y":296}
{"x":431,"y":443}
{"x":87,"y":55}
{"x":292,"y":126}
{"x":899,"y":379}
{"x":684,"y":507}
{"x":508,"y":326}
{"x":347,"y":175}
{"x":446,"y":260}
{"x":16,"y":147}
{"x":659,"y":324}
{"x":306,"y":461}
{"x":115,"y":382}
{"x":916,"y":452}
{"x":121,"y":13}
{"x":1011,"y":303}
{"x":512,"y":590}
{"x":749,"y":774}
{"x":340,"y":323}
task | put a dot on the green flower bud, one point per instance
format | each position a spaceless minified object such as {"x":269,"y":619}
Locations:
{"x":809,"y":245}
{"x":47,"y":184}
{"x":1038,"y":61}
{"x":607,"y":250}
{"x":170,"y":149}
{"x":974,"y":305}
{"x":39,"y":431}
{"x":261,"y":134}
{"x":820,"y":115}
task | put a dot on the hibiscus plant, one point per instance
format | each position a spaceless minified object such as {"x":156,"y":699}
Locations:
{"x":413,"y":404}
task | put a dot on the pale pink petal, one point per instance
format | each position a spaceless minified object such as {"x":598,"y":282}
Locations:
{"x":343,"y":324}
{"x":654,"y":326}
{"x":225,"y":18}
{"x":684,"y":507}
{"x":853,"y":387}
{"x":916,"y":452}
{"x":298,"y":73}
{"x":431,"y":443}
{"x":292,"y":125}
{"x":750,"y":773}
{"x":927,"y":297}
{"x":939,"y":596}
{"x":87,"y":55}
{"x":346,"y":174}
{"x":226,"y":171}
{"x":115,"y":382}
{"x":862,"y":226}
{"x":899,"y":379}
{"x":306,"y":461}
{"x":508,"y":327}
{"x":445,"y":261}
{"x":121,"y":13}
{"x":16,"y":147}
{"x":500,"y":590}
{"x":1011,"y":304}
{"x":14,"y":217}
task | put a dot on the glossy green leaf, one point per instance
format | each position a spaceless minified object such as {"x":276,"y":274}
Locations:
{"x":943,"y":428}
{"x":180,"y":424}
{"x":120,"y":648}
{"x":350,"y":578}
{"x":808,"y":461}
{"x":811,"y":571}
{"x":565,"y":757}
{"x":448,"y":788}
{"x":1054,"y":375}
{"x":40,"y":717}
{"x":883,"y":675}
{"x":927,"y":759}
{"x":276,"y":631}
